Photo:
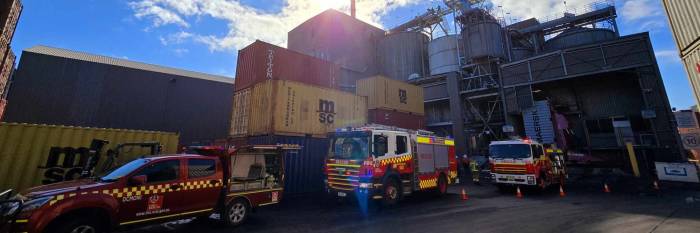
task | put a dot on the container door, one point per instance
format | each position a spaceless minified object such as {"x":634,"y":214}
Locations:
{"x":202,"y":185}
{"x":160,"y":197}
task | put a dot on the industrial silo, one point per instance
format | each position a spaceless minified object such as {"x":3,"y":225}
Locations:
{"x":483,"y":39}
{"x":443,"y":55}
{"x":578,"y":36}
{"x":403,"y":54}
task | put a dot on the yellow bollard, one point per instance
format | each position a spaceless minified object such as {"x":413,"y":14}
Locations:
{"x":633,"y":159}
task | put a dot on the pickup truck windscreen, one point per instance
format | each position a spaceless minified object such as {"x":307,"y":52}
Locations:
{"x":510,"y":151}
{"x":123,"y":170}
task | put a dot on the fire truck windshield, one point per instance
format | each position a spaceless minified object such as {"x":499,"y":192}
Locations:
{"x":350,"y":147}
{"x":510,"y":151}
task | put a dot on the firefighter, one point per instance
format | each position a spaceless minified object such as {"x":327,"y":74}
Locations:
{"x":474,"y":167}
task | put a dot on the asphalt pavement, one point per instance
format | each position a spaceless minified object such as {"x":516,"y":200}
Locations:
{"x":585,"y":208}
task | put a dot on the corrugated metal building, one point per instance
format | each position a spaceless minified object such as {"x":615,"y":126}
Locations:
{"x":342,"y":39}
{"x":62,"y":87}
{"x":684,"y":18}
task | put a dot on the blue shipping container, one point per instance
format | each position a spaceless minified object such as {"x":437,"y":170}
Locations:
{"x":304,"y":169}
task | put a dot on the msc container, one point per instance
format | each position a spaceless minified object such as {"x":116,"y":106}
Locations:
{"x":386,"y":93}
{"x":303,"y":168}
{"x":5,"y":71}
{"x":280,"y":107}
{"x":396,"y":118}
{"x":261,"y":61}
{"x":684,"y":18}
{"x":24,"y":150}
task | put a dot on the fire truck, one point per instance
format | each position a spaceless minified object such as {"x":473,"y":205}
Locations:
{"x":385,"y":163}
{"x":525,"y":162}
{"x":230,"y":182}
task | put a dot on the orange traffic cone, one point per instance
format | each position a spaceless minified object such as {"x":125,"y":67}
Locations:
{"x":656,"y":186}
{"x":518,"y":194}
{"x":561,"y":191}
{"x":464,"y":195}
{"x":606,"y":189}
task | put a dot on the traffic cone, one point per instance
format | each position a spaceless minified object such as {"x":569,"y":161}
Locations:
{"x":518,"y":194}
{"x":561,"y":191}
{"x":606,"y":189}
{"x":656,"y":186}
{"x":464,"y":195}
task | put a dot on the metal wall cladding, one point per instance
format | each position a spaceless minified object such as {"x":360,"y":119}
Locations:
{"x":56,"y":90}
{"x":609,"y":96}
{"x":386,"y":93}
{"x":304,"y":168}
{"x":435,"y":91}
{"x":396,"y":118}
{"x":684,"y":19}
{"x":692,"y":66}
{"x":484,"y":39}
{"x":521,"y":53}
{"x":578,"y":37}
{"x":443,"y":54}
{"x":437,"y":112}
{"x":24,"y":148}
{"x":337,"y":37}
{"x":9,"y":21}
{"x":538,"y":123}
{"x":262,"y":61}
{"x":5,"y":71}
{"x":280,"y":107}
{"x":404,"y":54}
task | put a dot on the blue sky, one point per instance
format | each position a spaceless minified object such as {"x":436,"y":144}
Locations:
{"x":204,"y":35}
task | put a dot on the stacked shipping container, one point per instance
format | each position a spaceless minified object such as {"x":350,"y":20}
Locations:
{"x":392,"y":102}
{"x":9,"y":15}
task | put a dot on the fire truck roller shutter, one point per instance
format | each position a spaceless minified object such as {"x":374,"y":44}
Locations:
{"x":441,"y":155}
{"x":426,"y":160}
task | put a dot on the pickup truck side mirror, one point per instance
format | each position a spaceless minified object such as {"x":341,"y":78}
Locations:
{"x":137,"y":180}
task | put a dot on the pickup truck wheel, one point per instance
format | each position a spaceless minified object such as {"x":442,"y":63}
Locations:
{"x":236,"y":213}
{"x":391,"y":192}
{"x":80,"y":225}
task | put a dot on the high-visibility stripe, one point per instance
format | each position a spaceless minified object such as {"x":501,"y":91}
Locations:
{"x":22,"y":220}
{"x":261,"y":191}
{"x":342,"y":165}
{"x":167,"y":216}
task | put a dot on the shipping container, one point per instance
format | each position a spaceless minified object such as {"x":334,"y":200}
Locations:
{"x":63,"y":87}
{"x":25,"y":149}
{"x":260,"y":61}
{"x":684,"y":18}
{"x":396,"y":118}
{"x":692,"y":66}
{"x":290,"y":108}
{"x":304,"y":168}
{"x":6,"y":71}
{"x":386,"y":93}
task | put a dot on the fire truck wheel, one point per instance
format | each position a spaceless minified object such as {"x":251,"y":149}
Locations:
{"x":236,"y":212}
{"x":81,"y":224}
{"x":391,"y":192}
{"x":442,"y":185}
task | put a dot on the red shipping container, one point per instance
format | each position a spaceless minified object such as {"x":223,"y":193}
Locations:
{"x":396,"y":118}
{"x":262,"y":61}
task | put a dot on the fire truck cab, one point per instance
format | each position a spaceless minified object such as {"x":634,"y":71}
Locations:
{"x":525,"y":162}
{"x":386,"y":163}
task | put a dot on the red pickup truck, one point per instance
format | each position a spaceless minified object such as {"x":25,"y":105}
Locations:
{"x":230,"y":182}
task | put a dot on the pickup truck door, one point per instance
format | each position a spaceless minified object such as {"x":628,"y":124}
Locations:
{"x":203,"y":184}
{"x":159,"y":198}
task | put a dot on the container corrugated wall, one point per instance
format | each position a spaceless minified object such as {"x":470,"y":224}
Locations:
{"x":684,"y":17}
{"x":241,"y":112}
{"x":6,"y":71}
{"x":304,"y":169}
{"x":538,"y":123}
{"x":261,"y":61}
{"x":25,"y":147}
{"x":290,"y":108}
{"x":692,"y":66}
{"x":395,"y":118}
{"x":386,"y":93}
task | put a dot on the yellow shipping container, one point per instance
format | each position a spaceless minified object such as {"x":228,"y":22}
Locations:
{"x":386,"y":93}
{"x":290,"y":108}
{"x":24,"y":150}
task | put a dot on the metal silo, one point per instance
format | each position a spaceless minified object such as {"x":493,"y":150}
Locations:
{"x":403,"y":54}
{"x":443,"y":55}
{"x":578,"y":36}
{"x":483,"y":39}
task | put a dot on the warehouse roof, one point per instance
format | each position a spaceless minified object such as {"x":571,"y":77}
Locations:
{"x":40,"y":49}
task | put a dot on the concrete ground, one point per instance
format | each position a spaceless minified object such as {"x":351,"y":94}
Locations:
{"x":584,"y":209}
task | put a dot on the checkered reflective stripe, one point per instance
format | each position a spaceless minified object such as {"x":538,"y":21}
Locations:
{"x":427,"y":183}
{"x":399,"y":159}
{"x":141,"y":190}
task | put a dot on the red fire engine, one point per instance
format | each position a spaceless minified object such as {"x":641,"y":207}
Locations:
{"x":525,"y":162}
{"x":384,"y":163}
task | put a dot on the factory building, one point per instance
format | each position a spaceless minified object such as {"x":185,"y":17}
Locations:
{"x":684,"y":19}
{"x":62,"y":87}
{"x":572,"y":81}
{"x":10,"y":11}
